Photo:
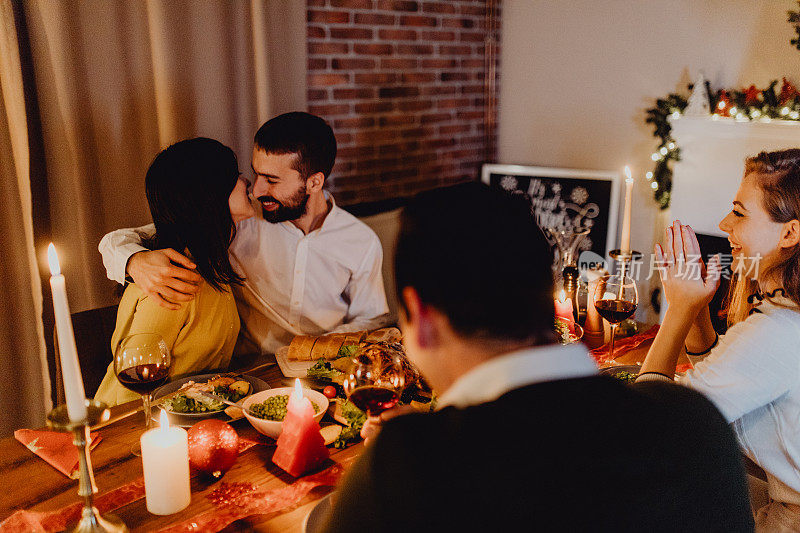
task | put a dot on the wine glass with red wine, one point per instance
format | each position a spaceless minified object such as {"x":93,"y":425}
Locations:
{"x":615,"y":299}
{"x":141,"y":364}
{"x":375,"y":383}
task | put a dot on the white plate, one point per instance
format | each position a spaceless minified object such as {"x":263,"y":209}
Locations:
{"x":189,"y":419}
{"x":315,"y":519}
{"x":292,"y":369}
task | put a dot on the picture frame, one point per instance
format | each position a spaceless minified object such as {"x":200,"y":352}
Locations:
{"x":562,"y":196}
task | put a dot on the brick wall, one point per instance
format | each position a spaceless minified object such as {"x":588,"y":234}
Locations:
{"x":402,"y":84}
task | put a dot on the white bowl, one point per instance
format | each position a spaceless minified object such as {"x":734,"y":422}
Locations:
{"x":271,"y":428}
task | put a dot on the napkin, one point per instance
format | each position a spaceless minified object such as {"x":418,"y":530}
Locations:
{"x":55,"y":447}
{"x":631,"y":343}
{"x":624,"y":346}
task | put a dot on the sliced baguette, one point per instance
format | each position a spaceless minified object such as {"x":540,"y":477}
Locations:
{"x":327,"y":346}
{"x":301,"y":347}
{"x":384,"y":335}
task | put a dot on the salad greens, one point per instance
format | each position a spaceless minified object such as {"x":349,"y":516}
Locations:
{"x":627,"y":377}
{"x":323,"y":369}
{"x":184,"y":404}
{"x":356,"y":418}
{"x":348,"y":350}
{"x":190,"y":402}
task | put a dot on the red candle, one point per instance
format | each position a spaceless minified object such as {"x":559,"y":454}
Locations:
{"x":301,"y":448}
{"x":564,"y":309}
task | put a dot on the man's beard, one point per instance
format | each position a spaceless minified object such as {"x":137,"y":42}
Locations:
{"x":292,"y":209}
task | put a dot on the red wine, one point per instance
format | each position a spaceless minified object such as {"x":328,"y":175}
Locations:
{"x":144,"y":378}
{"x":374,"y":400}
{"x":615,"y":311}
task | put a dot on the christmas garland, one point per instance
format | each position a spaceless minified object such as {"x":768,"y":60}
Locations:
{"x":744,"y":105}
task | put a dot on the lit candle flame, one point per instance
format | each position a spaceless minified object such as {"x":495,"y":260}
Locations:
{"x":163,"y":421}
{"x":628,"y":176}
{"x":562,"y":296}
{"x":52,"y":258}
{"x":298,"y":390}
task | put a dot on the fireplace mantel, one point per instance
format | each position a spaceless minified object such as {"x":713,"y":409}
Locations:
{"x":705,"y":180}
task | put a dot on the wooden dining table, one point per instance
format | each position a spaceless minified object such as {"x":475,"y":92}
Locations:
{"x":30,"y":483}
{"x":27,"y":482}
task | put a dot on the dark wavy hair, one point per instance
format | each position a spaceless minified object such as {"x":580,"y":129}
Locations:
{"x":307,"y":136}
{"x":188,"y":186}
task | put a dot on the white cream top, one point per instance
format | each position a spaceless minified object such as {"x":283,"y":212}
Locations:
{"x":753,"y":377}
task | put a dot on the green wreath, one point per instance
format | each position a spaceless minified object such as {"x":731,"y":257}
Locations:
{"x":746,"y":104}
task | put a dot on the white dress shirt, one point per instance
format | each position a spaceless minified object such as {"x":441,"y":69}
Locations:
{"x":753,"y":377}
{"x":327,"y":280}
{"x":499,"y":375}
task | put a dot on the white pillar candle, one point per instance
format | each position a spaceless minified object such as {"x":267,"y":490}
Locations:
{"x":165,"y":460}
{"x":625,"y":239}
{"x":68,"y":353}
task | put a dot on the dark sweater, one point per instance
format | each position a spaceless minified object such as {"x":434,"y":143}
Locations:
{"x":588,"y":454}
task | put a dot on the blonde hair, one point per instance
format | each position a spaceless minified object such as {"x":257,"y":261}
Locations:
{"x":779,"y":181}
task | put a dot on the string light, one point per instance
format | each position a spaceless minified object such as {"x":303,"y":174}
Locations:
{"x":757,"y":105}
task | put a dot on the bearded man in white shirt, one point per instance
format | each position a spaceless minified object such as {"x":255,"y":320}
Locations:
{"x":309,"y":266}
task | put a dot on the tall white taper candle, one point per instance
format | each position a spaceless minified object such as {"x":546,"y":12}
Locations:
{"x":625,"y":239}
{"x":70,"y":368}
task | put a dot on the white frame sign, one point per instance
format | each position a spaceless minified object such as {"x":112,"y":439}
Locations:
{"x":563,"y":197}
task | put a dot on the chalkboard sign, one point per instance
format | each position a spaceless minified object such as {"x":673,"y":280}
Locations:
{"x":563,"y":197}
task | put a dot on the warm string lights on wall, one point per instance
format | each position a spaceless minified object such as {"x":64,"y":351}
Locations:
{"x":745,"y":105}
{"x":763,"y":105}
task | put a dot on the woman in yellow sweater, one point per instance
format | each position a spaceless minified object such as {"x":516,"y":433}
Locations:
{"x":190,"y":187}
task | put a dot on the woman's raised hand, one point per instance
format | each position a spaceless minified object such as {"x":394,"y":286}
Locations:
{"x":687,"y":282}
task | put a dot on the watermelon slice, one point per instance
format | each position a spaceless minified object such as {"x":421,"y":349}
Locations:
{"x":301,"y":447}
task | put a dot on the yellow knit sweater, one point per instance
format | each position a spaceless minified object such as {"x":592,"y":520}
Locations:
{"x":201,"y":334}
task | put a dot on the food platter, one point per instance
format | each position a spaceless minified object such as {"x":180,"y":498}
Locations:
{"x":621,"y":372}
{"x":626,"y":371}
{"x":188,"y":419}
{"x":296,"y":359}
{"x":292,"y":369}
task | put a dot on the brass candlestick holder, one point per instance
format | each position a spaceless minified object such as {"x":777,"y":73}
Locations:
{"x":58,"y":420}
{"x":624,"y":258}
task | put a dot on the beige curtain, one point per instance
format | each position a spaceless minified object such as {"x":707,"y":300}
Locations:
{"x":24,"y":381}
{"x":117,"y":81}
